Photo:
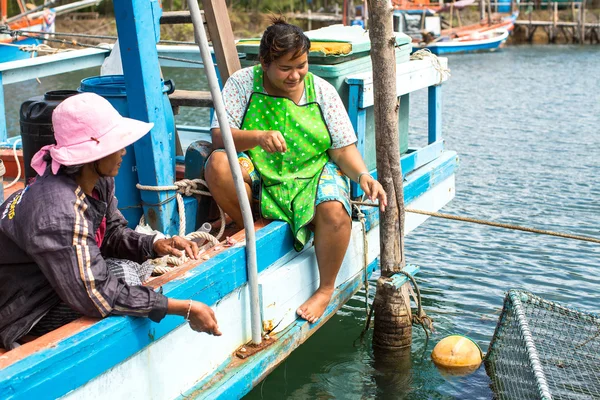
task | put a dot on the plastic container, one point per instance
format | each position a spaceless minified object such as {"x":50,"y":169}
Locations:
{"x":112,"y":88}
{"x":36,"y":125}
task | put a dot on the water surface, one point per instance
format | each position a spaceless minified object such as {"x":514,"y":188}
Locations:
{"x":526,"y":124}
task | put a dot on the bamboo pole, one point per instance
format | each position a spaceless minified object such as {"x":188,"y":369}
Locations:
{"x":393,"y":329}
{"x":582,"y":22}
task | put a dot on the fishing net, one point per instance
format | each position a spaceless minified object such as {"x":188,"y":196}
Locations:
{"x":542,"y":350}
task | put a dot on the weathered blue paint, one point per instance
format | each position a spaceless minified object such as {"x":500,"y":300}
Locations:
{"x":234,"y":382}
{"x":418,"y":184}
{"x":434,"y":115}
{"x":416,"y":158}
{"x":19,"y":71}
{"x":411,"y":161}
{"x":398,"y":280}
{"x":358,"y":118}
{"x":73,"y":361}
{"x":138,"y":31}
{"x":191,"y":209}
{"x":13,"y":53}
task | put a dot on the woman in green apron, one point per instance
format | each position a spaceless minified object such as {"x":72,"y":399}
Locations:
{"x":296,"y":147}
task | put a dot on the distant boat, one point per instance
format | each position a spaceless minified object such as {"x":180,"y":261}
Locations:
{"x":39,"y":19}
{"x":425,"y":29}
{"x":474,"y":42}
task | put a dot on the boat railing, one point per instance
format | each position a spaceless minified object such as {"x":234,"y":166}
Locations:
{"x":40,"y":67}
{"x":410,"y":77}
{"x":70,"y":61}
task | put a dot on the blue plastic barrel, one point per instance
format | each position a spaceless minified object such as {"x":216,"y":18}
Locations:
{"x":112,"y":88}
{"x":504,"y":6}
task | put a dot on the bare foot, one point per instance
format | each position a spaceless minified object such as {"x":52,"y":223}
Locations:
{"x":313,"y":308}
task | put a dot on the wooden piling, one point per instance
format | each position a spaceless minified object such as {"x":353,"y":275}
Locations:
{"x":582,"y":21}
{"x":392,"y":322}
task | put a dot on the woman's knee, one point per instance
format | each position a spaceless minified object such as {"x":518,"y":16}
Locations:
{"x":333,"y":214}
{"x":217,"y":167}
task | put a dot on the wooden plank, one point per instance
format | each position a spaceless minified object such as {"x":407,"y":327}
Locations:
{"x":190,"y":98}
{"x":434,"y":115}
{"x":219,"y":28}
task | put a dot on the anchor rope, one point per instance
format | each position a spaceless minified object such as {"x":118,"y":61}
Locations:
{"x":420,"y":318}
{"x":490,"y":223}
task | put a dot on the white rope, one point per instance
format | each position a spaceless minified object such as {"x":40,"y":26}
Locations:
{"x":18,"y":165}
{"x":185,"y":187}
{"x":435,"y":61}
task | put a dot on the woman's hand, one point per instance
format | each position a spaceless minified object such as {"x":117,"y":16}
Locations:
{"x":174,"y":245}
{"x":202,"y":319}
{"x":374,"y":190}
{"x":272,"y":141}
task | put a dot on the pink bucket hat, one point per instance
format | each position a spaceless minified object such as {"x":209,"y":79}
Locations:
{"x":87,"y":128}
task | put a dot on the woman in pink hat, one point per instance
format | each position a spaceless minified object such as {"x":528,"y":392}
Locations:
{"x":66,"y":249}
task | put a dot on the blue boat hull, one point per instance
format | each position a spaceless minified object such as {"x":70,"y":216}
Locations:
{"x":13,"y":53}
{"x":473,"y":46}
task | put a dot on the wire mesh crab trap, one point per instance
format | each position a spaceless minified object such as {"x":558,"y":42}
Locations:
{"x":542,"y":350}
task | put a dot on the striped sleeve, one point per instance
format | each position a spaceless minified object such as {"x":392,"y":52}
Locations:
{"x":65,"y":249}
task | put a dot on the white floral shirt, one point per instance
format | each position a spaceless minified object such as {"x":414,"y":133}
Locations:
{"x":239,"y":88}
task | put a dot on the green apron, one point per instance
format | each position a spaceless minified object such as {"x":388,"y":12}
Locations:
{"x":289,"y":180}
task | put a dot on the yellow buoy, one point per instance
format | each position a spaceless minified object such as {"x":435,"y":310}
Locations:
{"x":457,"y":355}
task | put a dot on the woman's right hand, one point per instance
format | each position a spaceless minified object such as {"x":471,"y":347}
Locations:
{"x":202,"y":319}
{"x":272,"y":141}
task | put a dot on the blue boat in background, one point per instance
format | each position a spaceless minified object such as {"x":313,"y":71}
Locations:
{"x":36,"y":20}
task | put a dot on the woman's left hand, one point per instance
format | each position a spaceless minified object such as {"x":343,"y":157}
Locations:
{"x":374,"y":190}
{"x":174,"y":246}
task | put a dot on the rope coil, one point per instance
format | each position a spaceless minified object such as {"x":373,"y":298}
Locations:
{"x":435,"y":61}
{"x":185,"y":187}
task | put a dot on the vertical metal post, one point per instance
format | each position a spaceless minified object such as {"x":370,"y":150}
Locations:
{"x":240,"y":189}
{"x":138,"y":31}
{"x":434,"y":117}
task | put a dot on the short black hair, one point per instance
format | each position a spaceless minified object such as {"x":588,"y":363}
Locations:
{"x":281,"y":38}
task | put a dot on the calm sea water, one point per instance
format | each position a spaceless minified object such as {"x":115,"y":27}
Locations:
{"x":526,"y":124}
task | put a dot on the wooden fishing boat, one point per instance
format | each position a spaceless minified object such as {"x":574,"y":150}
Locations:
{"x":469,"y":42}
{"x":136,"y":358}
{"x":18,"y":47}
{"x":426,"y":33}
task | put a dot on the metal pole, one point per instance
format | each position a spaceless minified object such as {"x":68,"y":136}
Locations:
{"x":240,"y":189}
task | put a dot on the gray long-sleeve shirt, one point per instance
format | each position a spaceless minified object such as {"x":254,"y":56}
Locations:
{"x":49,"y":254}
